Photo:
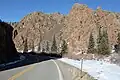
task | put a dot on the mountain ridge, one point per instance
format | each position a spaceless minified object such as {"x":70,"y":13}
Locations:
{"x":74,"y":27}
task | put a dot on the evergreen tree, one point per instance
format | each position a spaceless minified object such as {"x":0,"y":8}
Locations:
{"x":32,"y":45}
{"x":54,"y":45}
{"x":43,"y":49}
{"x":99,"y":41}
{"x":103,"y":43}
{"x":91,"y":46}
{"x":25,"y":46}
{"x":118,"y":38}
{"x":39,"y":46}
{"x":117,"y":46}
{"x":41,"y":38}
{"x":64,"y":47}
{"x":47,"y":46}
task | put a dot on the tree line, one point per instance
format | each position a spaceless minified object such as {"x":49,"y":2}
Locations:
{"x":102,"y":45}
{"x":48,"y":48}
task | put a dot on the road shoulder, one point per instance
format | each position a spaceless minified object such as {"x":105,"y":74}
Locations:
{"x":71,"y":73}
{"x":59,"y":71}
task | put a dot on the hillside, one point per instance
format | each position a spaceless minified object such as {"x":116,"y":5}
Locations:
{"x":37,"y":27}
{"x":83,"y":20}
{"x":74,"y":27}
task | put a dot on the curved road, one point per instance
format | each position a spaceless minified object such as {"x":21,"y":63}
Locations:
{"x":47,"y":70}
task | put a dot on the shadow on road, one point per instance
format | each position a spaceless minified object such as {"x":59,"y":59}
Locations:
{"x":30,"y":58}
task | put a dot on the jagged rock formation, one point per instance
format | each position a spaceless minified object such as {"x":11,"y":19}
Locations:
{"x":83,"y":20}
{"x":7,"y":47}
{"x":37,"y":27}
{"x":74,"y":27}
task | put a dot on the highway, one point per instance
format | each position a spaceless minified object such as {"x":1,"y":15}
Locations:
{"x":46,"y":70}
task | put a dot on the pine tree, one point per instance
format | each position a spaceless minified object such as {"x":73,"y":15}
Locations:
{"x":99,"y":41}
{"x":91,"y":46}
{"x":43,"y":49}
{"x":118,"y":38}
{"x":25,"y":46}
{"x":54,"y":45}
{"x":39,"y":46}
{"x":64,"y":47}
{"x":103,"y":43}
{"x":41,"y":38}
{"x":47,"y":46}
{"x":32,"y":45}
{"x":117,"y":46}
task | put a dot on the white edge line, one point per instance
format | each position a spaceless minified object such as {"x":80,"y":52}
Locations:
{"x":60,"y":74}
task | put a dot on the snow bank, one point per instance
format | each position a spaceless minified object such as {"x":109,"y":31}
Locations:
{"x":98,"y":69}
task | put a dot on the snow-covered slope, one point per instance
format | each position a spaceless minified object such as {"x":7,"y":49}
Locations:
{"x":98,"y":69}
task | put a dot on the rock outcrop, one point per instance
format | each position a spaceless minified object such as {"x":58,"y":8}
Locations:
{"x":37,"y":27}
{"x":75,"y":27}
{"x":82,"y":21}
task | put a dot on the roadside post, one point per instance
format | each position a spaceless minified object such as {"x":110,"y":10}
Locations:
{"x":81,"y":64}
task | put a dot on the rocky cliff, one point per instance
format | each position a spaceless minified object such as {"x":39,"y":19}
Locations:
{"x":74,"y":27}
{"x":37,"y":27}
{"x":82,"y":21}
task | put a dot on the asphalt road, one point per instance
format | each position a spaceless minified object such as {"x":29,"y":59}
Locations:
{"x":46,"y":70}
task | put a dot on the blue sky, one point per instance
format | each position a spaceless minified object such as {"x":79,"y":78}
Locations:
{"x":14,"y":10}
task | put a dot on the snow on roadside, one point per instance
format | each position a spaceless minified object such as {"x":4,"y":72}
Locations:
{"x":30,"y":50}
{"x":98,"y":69}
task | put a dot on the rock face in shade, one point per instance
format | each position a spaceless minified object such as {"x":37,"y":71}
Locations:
{"x":7,"y":46}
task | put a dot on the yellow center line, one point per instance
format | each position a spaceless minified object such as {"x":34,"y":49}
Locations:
{"x":21,"y":73}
